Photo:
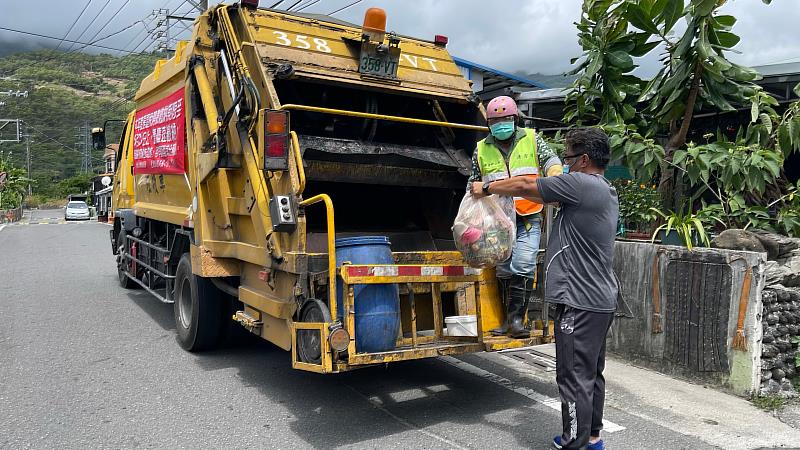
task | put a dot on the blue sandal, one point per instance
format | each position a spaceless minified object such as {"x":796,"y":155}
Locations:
{"x":596,"y":446}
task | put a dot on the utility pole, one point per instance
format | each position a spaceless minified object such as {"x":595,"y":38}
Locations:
{"x":28,"y":137}
{"x":84,"y":147}
{"x":160,"y":33}
{"x":200,"y":5}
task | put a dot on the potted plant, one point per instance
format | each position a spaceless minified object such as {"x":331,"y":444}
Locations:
{"x":681,"y":228}
{"x":636,"y":202}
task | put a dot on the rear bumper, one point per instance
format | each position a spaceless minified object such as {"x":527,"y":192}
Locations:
{"x":431,"y":280}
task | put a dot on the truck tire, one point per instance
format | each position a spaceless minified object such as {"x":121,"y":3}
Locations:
{"x":231,"y":333}
{"x":197,"y":309}
{"x":309,"y":345}
{"x":124,"y":281}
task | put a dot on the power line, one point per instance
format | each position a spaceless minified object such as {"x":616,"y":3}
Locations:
{"x":58,"y":55}
{"x":110,"y":19}
{"x":91,"y":23}
{"x":306,"y":6}
{"x":165,"y":32}
{"x":73,"y":24}
{"x":111,"y":35}
{"x":47,"y":137}
{"x":294,"y":4}
{"x":147,"y":35}
{"x":345,"y":7}
{"x":87,"y":44}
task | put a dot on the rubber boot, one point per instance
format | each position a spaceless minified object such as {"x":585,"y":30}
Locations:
{"x":521,"y":290}
{"x":503,"y":285}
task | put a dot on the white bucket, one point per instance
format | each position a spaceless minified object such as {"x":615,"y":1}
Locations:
{"x":462,"y":326}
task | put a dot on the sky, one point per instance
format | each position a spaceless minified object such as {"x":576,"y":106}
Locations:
{"x":510,"y":35}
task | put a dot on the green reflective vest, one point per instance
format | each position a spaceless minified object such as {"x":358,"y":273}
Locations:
{"x":521,"y":162}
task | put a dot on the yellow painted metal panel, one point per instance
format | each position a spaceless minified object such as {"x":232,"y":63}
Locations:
{"x":164,"y":213}
{"x":327,"y":49}
{"x":239,"y":250}
{"x":264,"y":302}
{"x":414,"y":353}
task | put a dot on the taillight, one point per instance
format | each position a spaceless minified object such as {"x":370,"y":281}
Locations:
{"x":276,"y":140}
{"x":276,"y":147}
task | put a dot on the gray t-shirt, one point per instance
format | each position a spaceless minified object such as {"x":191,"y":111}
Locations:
{"x":580,"y":248}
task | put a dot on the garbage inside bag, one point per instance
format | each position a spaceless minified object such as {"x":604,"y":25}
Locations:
{"x":485,"y":229}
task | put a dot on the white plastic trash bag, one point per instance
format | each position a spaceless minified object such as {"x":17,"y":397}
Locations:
{"x":484,"y":230}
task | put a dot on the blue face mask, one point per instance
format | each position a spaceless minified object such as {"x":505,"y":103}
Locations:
{"x":502,"y":130}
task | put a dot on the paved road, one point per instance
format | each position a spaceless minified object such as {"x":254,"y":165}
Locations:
{"x":86,"y":364}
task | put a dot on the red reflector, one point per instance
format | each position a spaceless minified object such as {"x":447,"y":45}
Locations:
{"x":358,"y":271}
{"x":413,"y":271}
{"x":276,"y":122}
{"x":453,"y":271}
{"x":440,"y":40}
{"x":277,"y":146}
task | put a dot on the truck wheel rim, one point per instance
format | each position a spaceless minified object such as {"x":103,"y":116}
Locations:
{"x":185,"y":304}
{"x":309,"y":341}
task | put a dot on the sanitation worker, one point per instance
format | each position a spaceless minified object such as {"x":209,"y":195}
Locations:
{"x":512,"y":151}
{"x":579,"y":277}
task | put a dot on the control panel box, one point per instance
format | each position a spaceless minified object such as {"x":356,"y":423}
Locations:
{"x":282,"y":210}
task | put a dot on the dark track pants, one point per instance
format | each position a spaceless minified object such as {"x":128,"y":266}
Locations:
{"x":580,"y":360}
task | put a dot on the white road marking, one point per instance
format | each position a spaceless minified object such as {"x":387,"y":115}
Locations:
{"x":550,"y":402}
{"x":378,"y":404}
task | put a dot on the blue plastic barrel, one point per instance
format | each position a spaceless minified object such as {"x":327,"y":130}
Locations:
{"x":377,"y":306}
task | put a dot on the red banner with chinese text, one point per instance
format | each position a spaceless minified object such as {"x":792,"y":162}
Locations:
{"x":158,"y":136}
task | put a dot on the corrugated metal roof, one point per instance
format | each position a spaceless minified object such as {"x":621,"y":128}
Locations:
{"x":771,"y":70}
{"x":494,"y":79}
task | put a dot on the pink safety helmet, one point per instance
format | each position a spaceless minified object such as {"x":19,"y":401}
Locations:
{"x":502,"y":106}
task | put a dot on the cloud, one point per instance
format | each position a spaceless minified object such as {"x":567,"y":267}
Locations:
{"x":511,"y":35}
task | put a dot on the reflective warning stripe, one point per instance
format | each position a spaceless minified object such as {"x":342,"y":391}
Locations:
{"x":411,"y":271}
{"x":492,"y":177}
{"x":520,"y":171}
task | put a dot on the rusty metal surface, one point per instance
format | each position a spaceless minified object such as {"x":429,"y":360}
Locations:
{"x":330,"y":51}
{"x":383,"y":175}
{"x":349,"y":147}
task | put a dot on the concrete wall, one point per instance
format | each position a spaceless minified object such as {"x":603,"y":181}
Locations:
{"x":635,"y":338}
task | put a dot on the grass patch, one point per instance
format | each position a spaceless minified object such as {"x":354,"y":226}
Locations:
{"x":769,"y":402}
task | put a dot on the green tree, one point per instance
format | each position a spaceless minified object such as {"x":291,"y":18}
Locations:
{"x":13,"y":191}
{"x":695,"y":73}
{"x":66,"y":91}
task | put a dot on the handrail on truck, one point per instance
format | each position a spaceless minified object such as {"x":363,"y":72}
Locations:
{"x":331,"y":230}
{"x":344,"y":112}
{"x":298,"y":157}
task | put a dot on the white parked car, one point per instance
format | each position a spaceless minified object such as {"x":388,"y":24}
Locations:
{"x":76,"y":211}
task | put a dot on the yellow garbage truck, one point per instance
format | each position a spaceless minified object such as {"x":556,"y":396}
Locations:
{"x":297,"y":177}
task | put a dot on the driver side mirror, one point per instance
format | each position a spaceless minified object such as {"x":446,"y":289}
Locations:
{"x":98,"y":138}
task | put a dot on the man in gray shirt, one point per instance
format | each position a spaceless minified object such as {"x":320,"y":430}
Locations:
{"x":579,"y":277}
